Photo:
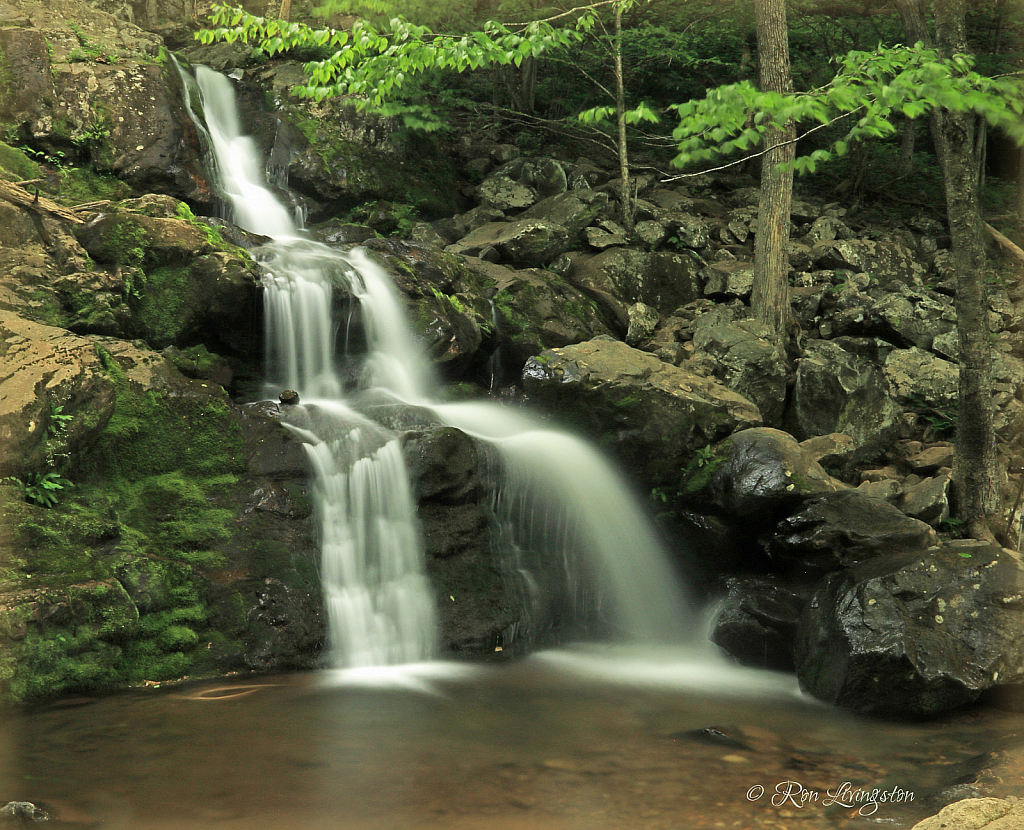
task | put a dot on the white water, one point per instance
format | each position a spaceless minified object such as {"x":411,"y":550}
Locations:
{"x":559,"y":497}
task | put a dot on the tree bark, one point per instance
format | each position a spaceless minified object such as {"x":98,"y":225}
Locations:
{"x":770,"y":299}
{"x":975,"y":464}
{"x":620,"y":117}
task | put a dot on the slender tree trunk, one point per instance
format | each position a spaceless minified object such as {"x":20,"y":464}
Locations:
{"x":620,"y":117}
{"x":975,"y":463}
{"x":907,"y":143}
{"x":915,"y":27}
{"x":770,"y":300}
{"x":286,"y":9}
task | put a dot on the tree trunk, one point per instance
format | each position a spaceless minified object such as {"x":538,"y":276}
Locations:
{"x":907,"y":143}
{"x":770,"y":300}
{"x":620,"y":117}
{"x":286,"y":9}
{"x":915,"y":27}
{"x":975,"y":463}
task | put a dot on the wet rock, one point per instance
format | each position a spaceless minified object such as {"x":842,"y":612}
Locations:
{"x":285,"y":626}
{"x":447,"y":308}
{"x":915,"y":634}
{"x":756,"y":475}
{"x":651,"y":415}
{"x":836,"y":530}
{"x":758,"y":622}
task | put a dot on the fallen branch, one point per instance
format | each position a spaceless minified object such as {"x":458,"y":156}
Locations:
{"x":1008,"y":246}
{"x":91,"y":205}
{"x":19,"y":196}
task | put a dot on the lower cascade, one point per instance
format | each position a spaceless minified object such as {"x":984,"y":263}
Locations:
{"x":557,"y":497}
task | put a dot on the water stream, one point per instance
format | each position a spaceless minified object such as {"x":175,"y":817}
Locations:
{"x":558,"y":494}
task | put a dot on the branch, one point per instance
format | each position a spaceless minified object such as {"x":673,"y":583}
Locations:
{"x":19,"y":196}
{"x":1005,"y":244}
{"x":762,"y":152}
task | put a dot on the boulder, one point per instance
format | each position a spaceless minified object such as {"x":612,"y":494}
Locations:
{"x":885,"y":261}
{"x":650,"y":415}
{"x":756,"y":476}
{"x":915,"y":634}
{"x":522,"y":182}
{"x":837,"y":391}
{"x":180,"y":282}
{"x":903,"y":316}
{"x":976,"y":814}
{"x":928,"y":500}
{"x":920,"y":379}
{"x":757,"y":623}
{"x":536,"y":310}
{"x":573,"y":210}
{"x":830,"y":531}
{"x":742,"y":357}
{"x":524,"y":243}
{"x":728,"y":280}
{"x":662,"y":280}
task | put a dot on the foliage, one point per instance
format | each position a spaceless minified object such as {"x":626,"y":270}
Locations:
{"x":871,"y":89}
{"x":42,"y":488}
{"x":374,"y":63}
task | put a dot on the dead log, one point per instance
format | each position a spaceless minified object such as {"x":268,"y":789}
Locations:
{"x":10,"y":192}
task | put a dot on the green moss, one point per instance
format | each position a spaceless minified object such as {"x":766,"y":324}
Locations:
{"x":159,"y":308}
{"x":16,"y":165}
{"x":78,"y":185}
{"x":702,"y":468}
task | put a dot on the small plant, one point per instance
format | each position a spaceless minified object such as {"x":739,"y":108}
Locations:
{"x":705,"y":455}
{"x":41,"y":488}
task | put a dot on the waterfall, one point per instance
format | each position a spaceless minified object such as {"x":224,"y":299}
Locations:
{"x":558,"y":496}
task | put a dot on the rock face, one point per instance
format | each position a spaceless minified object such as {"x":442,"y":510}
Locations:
{"x":650,"y":415}
{"x":188,"y":549}
{"x":124,"y":113}
{"x":915,"y":634}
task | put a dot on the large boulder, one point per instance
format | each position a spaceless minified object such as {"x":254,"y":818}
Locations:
{"x":522,"y":182}
{"x":756,"y":476}
{"x":651,"y":415}
{"x":186,"y":545}
{"x":525,"y":243}
{"x":741,"y":355}
{"x":573,"y":210}
{"x":176,"y":280}
{"x":665,"y":281}
{"x":884,"y":261}
{"x":87,"y":86}
{"x":915,"y":634}
{"x":831,"y":531}
{"x":901,"y":315}
{"x":838,"y":391}
{"x":536,"y":310}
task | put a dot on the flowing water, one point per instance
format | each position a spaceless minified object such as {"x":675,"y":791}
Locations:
{"x":557,"y":495}
{"x":586,"y":738}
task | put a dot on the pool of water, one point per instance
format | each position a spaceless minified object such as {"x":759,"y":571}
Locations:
{"x":584,"y":739}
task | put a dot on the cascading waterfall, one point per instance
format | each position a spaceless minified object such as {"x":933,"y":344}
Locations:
{"x":558,"y":497}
